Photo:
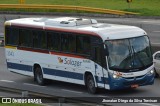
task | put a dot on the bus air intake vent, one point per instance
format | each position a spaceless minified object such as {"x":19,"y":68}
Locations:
{"x":85,"y":22}
{"x":64,"y":22}
{"x":101,"y":26}
{"x":70,"y":22}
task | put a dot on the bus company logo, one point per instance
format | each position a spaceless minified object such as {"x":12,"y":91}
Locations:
{"x":69,"y":62}
{"x":60,"y":60}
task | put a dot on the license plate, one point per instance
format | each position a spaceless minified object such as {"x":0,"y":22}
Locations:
{"x":134,"y":86}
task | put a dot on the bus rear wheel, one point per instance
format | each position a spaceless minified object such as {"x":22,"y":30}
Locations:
{"x":90,"y":84}
{"x":39,"y":76}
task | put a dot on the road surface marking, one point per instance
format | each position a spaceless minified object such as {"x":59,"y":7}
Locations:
{"x":156,"y":31}
{"x":155,"y":43}
{"x":33,"y":85}
{"x":145,"y":21}
{"x":71,"y":91}
{"x":147,"y":104}
{"x":102,"y":96}
{"x":6,"y":81}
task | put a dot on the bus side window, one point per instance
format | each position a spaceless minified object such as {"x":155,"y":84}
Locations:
{"x":97,"y":56}
{"x":35,"y":40}
{"x":64,"y":42}
{"x":86,"y":45}
{"x":79,"y":44}
{"x":12,"y":36}
{"x":30,"y":38}
{"x":50,"y":40}
{"x":43,"y":40}
{"x":7,"y":35}
{"x":22,"y":37}
{"x":54,"y":41}
{"x":72,"y":43}
{"x":83,"y":45}
{"x":25,"y":37}
{"x":39,"y":39}
{"x":57,"y":42}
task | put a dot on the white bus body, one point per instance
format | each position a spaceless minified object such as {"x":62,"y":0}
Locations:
{"x":87,"y":60}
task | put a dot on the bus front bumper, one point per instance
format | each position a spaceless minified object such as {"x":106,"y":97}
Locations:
{"x":133,"y":82}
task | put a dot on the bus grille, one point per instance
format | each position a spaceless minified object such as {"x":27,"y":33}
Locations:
{"x":139,"y":82}
{"x":135,"y":77}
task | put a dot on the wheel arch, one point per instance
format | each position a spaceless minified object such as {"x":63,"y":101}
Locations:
{"x":85,"y":76}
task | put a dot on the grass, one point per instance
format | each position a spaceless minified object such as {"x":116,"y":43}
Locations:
{"x":145,"y":7}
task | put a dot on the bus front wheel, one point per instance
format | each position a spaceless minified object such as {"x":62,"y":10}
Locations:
{"x":90,"y":84}
{"x":39,"y":76}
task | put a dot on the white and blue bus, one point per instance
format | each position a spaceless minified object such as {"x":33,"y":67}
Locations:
{"x":80,"y":51}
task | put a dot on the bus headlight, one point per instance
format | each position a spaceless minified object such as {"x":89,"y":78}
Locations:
{"x":115,"y":76}
{"x":151,"y":72}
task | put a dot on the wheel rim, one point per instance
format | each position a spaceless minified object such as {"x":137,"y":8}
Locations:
{"x":91,"y":84}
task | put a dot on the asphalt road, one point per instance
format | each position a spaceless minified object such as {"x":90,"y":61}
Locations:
{"x":72,"y":90}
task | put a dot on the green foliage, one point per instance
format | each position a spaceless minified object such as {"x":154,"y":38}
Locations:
{"x":145,"y":7}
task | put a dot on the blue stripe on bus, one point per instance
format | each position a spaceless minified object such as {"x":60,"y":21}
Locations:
{"x":54,"y":72}
{"x":19,"y":66}
{"x":65,"y":74}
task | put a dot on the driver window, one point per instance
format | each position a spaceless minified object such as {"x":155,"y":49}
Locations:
{"x":98,"y":55}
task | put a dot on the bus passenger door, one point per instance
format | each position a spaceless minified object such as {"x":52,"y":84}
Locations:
{"x":97,"y":57}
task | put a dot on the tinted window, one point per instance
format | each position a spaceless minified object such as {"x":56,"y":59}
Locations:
{"x":79,"y":44}
{"x":64,"y":42}
{"x":39,"y":39}
{"x":69,"y":43}
{"x":98,"y":55}
{"x":25,"y":37}
{"x":12,"y":36}
{"x":83,"y":44}
{"x":86,"y":45}
{"x":54,"y":41}
{"x":72,"y":43}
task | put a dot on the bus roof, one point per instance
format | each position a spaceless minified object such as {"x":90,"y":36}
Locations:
{"x":103,"y":30}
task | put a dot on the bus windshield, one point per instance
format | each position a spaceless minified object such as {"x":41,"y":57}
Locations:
{"x":132,"y":54}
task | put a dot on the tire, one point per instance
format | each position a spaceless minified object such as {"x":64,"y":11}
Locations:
{"x":39,"y":76}
{"x":90,"y":84}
